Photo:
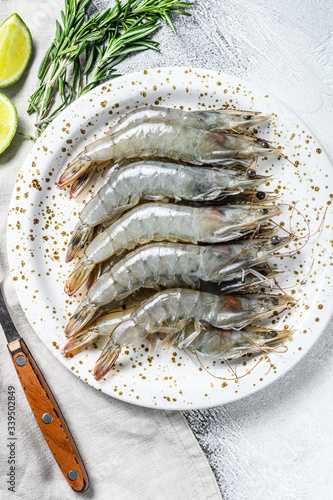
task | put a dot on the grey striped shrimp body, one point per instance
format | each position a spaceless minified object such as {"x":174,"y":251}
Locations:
{"x":222,"y":120}
{"x":169,"y":265}
{"x":169,"y":313}
{"x":167,"y":222}
{"x":152,"y":180}
{"x":250,"y":279}
{"x":219,"y":344}
{"x":167,"y":139}
{"x":106,"y":323}
{"x":171,"y":310}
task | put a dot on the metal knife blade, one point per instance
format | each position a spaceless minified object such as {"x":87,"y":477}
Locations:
{"x":6,"y":322}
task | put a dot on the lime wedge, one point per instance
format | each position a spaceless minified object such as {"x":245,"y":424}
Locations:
{"x":8,"y":122}
{"x":15,"y":50}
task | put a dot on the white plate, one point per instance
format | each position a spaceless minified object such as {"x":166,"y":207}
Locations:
{"x":41,"y":218}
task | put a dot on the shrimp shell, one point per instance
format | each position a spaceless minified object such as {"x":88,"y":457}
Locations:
{"x":167,"y":139}
{"x":231,"y":344}
{"x":167,"y":222}
{"x":169,"y":312}
{"x":106,"y":323}
{"x":170,"y":264}
{"x":221,"y":120}
{"x":152,"y":180}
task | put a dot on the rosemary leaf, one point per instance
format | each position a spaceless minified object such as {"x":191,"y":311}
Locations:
{"x":111,"y":36}
{"x":44,"y":63}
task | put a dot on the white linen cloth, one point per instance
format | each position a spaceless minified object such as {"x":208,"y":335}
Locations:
{"x":130,"y":453}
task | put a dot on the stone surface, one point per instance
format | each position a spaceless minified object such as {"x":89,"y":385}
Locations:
{"x":277,"y":443}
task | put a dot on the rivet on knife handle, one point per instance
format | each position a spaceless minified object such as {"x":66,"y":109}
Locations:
{"x":49,"y":416}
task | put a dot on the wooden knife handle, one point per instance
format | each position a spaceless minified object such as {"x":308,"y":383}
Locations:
{"x":49,"y":417}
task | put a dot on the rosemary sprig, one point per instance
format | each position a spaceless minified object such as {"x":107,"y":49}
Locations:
{"x":118,"y":46}
{"x":107,"y":37}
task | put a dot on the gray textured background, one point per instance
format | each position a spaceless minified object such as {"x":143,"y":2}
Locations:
{"x":277,"y":443}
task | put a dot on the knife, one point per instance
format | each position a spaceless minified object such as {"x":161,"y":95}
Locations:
{"x":44,"y":406}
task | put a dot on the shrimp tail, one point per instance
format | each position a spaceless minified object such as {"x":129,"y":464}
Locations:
{"x":94,"y":275}
{"x":74,"y":170}
{"x":107,"y":359}
{"x":79,"y":185}
{"x":79,"y":342}
{"x":79,"y":319}
{"x":78,"y":276}
{"x":81,"y":235}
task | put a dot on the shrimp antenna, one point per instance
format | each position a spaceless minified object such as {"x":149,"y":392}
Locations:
{"x":211,"y":176}
{"x":301,"y":282}
{"x":279,"y":286}
{"x":241,"y":354}
{"x":286,"y":158}
{"x":280,"y":227}
{"x":264,"y":351}
{"x":260,"y":350}
{"x":292,"y":215}
{"x":248,"y":287}
{"x":251,"y":205}
{"x":293,"y":208}
{"x":319,"y":227}
{"x":255,"y":164}
{"x":282,"y":310}
{"x":307,"y":236}
{"x":234,"y":372}
{"x":266,"y":356}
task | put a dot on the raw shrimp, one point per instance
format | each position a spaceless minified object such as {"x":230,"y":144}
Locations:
{"x":167,"y":139}
{"x":106,"y":323}
{"x":220,"y":120}
{"x":106,"y":266}
{"x":170,"y":311}
{"x":231,"y":344}
{"x":170,"y":264}
{"x":152,"y":180}
{"x":167,"y":222}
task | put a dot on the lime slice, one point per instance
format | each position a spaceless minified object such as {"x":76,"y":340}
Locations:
{"x":15,"y":50}
{"x":8,"y":122}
